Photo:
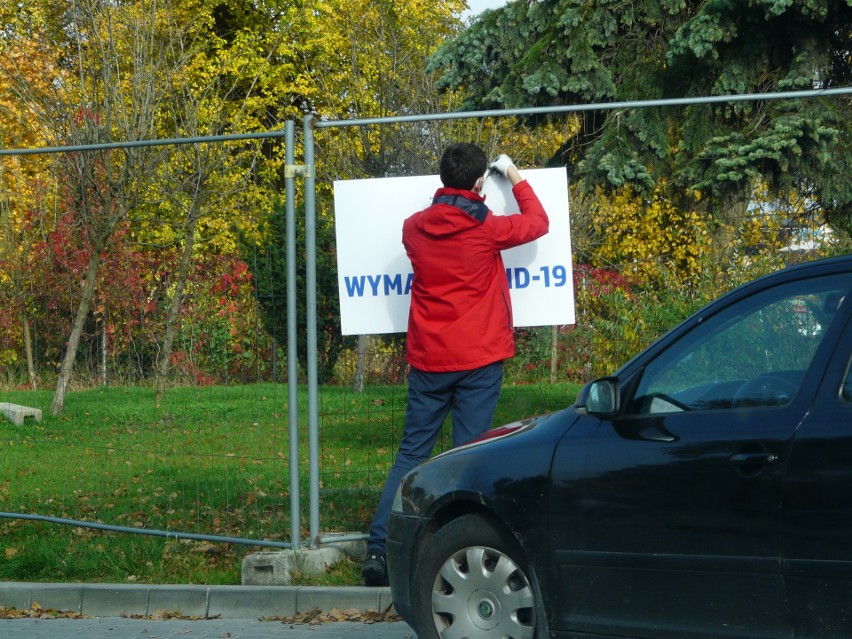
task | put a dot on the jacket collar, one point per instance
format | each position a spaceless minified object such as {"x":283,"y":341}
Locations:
{"x":471,"y":203}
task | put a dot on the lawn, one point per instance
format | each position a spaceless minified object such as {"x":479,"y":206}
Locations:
{"x":211,"y":460}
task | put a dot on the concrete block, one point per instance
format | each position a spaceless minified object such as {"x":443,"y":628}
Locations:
{"x":64,"y":597}
{"x":16,"y":413}
{"x":315,"y":561}
{"x":186,"y":601}
{"x":238,"y":602}
{"x":276,"y":568}
{"x":15,"y":595}
{"x":266,"y":569}
{"x":354,"y":549}
{"x":114,"y":600}
{"x":385,"y":599}
{"x":361,"y":598}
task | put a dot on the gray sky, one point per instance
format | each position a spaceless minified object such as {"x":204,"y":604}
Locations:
{"x":477,"y":6}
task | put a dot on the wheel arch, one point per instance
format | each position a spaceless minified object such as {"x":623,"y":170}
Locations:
{"x":448,"y":510}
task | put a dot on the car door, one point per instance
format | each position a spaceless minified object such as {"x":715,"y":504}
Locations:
{"x":666,"y":517}
{"x":817,"y":511}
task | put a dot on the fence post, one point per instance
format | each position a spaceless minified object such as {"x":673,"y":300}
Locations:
{"x":292,"y":347}
{"x":311,"y":299}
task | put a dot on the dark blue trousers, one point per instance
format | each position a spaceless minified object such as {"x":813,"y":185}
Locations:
{"x":471,"y":396}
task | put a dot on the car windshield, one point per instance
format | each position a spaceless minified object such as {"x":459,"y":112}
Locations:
{"x":754,"y":353}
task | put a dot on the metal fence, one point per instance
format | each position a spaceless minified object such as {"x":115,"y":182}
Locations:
{"x":272,"y":444}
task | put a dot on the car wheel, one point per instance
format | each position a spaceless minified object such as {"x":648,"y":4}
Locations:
{"x":471,"y":581}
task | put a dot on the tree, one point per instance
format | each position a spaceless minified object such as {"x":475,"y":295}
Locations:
{"x":376,"y":68}
{"x":25,"y":187}
{"x":109,"y":76}
{"x":206,"y":183}
{"x":137,"y":71}
{"x":362,"y":59}
{"x":572,"y":52}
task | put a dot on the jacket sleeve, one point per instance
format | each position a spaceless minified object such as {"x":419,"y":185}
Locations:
{"x":531,"y":224}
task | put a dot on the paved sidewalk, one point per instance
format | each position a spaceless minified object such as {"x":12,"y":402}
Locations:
{"x":117,"y":628}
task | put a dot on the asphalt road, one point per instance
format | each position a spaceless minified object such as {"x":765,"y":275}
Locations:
{"x":121,"y":628}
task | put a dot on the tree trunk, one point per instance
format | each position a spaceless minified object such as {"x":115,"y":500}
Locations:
{"x":103,"y":353}
{"x":67,"y":367}
{"x":361,"y":364}
{"x":400,"y":374}
{"x":173,"y":318}
{"x":28,"y":347}
{"x":554,"y":363}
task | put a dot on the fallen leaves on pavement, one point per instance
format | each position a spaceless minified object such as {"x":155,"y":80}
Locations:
{"x":317,"y":616}
{"x":35,"y":611}
{"x":313,"y":616}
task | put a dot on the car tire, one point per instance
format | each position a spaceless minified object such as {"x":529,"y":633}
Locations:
{"x":471,"y":580}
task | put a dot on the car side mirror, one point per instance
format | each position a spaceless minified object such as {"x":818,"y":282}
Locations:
{"x":601,"y":397}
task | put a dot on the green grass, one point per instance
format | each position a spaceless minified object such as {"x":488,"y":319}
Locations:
{"x":211,"y":460}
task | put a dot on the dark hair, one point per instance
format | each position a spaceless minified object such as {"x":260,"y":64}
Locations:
{"x":462,"y":165}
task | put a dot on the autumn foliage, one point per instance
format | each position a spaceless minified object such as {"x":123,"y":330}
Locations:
{"x":188,"y":226}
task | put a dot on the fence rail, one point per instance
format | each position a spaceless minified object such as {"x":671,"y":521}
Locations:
{"x":309,"y":403}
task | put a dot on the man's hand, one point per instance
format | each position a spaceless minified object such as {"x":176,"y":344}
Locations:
{"x":504,"y":166}
{"x":501,"y":164}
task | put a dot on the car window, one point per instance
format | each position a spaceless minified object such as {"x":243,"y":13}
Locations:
{"x":846,"y":393}
{"x":754,"y":353}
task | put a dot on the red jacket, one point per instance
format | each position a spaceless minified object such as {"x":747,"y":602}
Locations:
{"x":461,"y":314}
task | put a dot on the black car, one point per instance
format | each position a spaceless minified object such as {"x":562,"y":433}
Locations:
{"x":703,"y":490}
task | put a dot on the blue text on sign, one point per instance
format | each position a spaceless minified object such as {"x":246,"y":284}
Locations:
{"x":520,"y":277}
{"x":386,"y":284}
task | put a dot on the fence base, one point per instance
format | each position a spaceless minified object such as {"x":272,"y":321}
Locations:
{"x":277,"y":568}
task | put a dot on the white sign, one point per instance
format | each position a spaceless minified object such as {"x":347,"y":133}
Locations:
{"x":374,"y":273}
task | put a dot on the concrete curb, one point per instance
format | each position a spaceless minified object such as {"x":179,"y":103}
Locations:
{"x":206,"y":602}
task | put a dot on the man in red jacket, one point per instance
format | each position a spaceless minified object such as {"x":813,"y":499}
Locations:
{"x":460,"y":322}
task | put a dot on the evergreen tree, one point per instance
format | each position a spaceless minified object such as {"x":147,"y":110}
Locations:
{"x":557,"y":52}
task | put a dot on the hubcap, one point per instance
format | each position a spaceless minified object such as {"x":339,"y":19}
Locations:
{"x":481,"y":592}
